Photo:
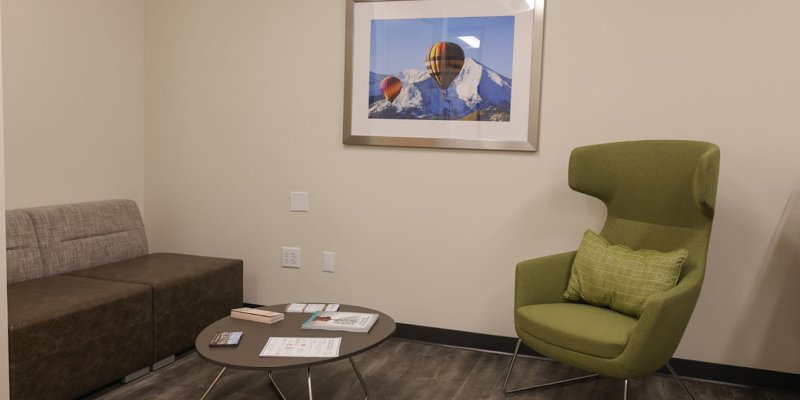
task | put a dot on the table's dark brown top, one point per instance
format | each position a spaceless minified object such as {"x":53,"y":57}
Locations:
{"x":246,"y":354}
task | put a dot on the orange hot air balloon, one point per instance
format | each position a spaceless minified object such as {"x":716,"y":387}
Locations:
{"x":444,"y":62}
{"x":391,"y":87}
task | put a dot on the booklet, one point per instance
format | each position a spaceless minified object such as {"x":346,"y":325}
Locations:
{"x":301,"y":347}
{"x":341,"y":321}
{"x":225,"y":339}
{"x":314,"y":308}
{"x":310,"y":308}
{"x":296,"y":307}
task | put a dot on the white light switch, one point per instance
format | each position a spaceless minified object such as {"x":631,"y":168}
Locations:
{"x":328,"y":261}
{"x":299,"y":201}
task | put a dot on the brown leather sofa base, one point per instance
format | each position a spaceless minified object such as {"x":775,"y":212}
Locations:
{"x":69,"y":335}
{"x":189,"y":293}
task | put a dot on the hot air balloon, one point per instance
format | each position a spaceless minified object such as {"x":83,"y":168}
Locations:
{"x":391,"y":87}
{"x":444,"y":62}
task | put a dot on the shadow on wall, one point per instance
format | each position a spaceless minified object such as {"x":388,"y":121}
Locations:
{"x":770,"y":331}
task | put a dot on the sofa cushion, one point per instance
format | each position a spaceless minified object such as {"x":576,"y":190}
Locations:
{"x":83,"y":235}
{"x":69,"y":335}
{"x":23,"y":259}
{"x":189,"y":292}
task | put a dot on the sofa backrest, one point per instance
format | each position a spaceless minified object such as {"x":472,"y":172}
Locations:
{"x":73,"y":237}
{"x":22,"y":249}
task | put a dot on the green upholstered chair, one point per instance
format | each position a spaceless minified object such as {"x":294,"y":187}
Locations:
{"x":660,"y":195}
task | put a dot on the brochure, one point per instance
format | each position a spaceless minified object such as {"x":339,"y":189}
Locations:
{"x":310,"y":308}
{"x":314,"y":308}
{"x":301,"y":347}
{"x":341,"y":321}
{"x":225,"y":339}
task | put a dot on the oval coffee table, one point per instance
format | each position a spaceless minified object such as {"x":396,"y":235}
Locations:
{"x":246,"y":354}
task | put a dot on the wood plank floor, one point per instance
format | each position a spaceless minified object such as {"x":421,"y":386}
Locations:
{"x":403,"y":370}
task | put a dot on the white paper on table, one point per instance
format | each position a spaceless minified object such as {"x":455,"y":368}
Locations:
{"x":311,"y":308}
{"x":296,"y":307}
{"x":301,"y":347}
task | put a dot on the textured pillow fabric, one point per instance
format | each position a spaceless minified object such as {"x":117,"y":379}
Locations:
{"x":619,"y":277}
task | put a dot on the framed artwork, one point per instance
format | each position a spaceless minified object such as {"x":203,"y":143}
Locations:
{"x":462,"y":74}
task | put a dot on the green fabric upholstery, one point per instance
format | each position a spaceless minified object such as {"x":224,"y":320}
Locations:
{"x":660,"y":195}
{"x":600,"y":332}
{"x":619,"y":277}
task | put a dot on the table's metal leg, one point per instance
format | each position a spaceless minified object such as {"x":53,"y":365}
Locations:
{"x":213,"y":383}
{"x":278,"y":389}
{"x":360,"y":378}
{"x":308,"y":373}
{"x":275,"y":385}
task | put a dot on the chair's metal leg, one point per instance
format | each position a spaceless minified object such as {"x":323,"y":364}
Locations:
{"x":213,"y":383}
{"x":680,"y":381}
{"x":625,"y":392}
{"x":275,"y":385}
{"x":360,"y":378}
{"x":542,"y":386}
{"x":511,"y":366}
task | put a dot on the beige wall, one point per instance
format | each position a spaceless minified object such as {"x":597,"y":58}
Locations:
{"x":243,"y":105}
{"x":4,"y":390}
{"x":74,"y":112}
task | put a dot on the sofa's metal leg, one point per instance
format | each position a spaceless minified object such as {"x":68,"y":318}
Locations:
{"x":163,"y":362}
{"x":213,"y":383}
{"x":136,"y":375}
{"x":680,"y":381}
{"x":542,"y":386}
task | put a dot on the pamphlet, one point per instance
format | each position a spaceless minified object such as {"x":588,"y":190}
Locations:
{"x":341,"y":321}
{"x":301,"y":347}
{"x":225,"y":339}
{"x":296,"y":307}
{"x":314,"y":308}
{"x":310,"y":308}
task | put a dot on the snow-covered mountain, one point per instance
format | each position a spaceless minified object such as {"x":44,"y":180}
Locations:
{"x":478,"y":93}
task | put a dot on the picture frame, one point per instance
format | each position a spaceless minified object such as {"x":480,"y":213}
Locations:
{"x":458,"y":74}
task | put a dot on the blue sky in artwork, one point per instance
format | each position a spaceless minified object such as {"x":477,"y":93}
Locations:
{"x":400,"y":44}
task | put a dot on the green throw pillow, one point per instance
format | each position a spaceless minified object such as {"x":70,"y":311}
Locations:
{"x":621,"y":278}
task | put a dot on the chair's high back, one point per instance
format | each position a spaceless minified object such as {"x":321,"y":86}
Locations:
{"x":660,"y":194}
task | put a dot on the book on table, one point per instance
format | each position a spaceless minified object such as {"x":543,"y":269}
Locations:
{"x":341,"y":321}
{"x":256,"y":314}
{"x":226,"y":339}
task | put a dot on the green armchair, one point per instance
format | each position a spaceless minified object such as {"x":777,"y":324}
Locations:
{"x":660,"y":195}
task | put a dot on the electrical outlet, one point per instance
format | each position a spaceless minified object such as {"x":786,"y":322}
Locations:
{"x":290,"y":257}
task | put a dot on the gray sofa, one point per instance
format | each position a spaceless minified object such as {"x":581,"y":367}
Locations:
{"x":87,"y":304}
